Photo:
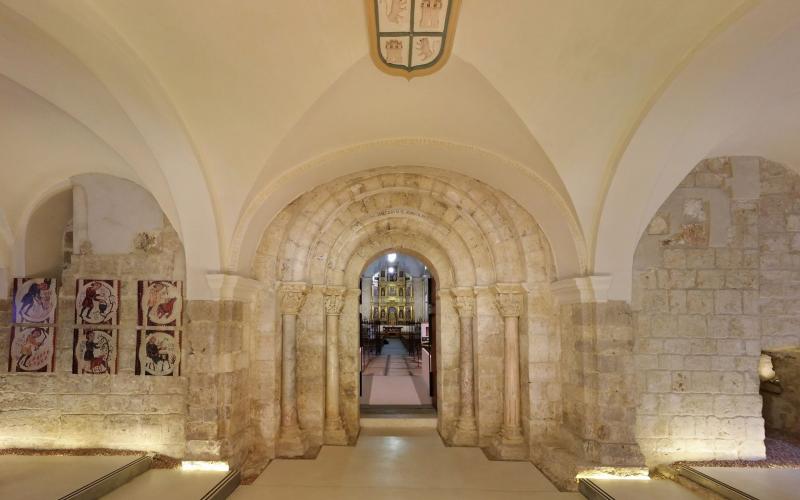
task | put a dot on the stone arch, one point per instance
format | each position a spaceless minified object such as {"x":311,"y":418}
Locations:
{"x":483,"y":246}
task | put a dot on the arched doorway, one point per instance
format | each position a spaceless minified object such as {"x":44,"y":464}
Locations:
{"x":489,"y":259}
{"x":397,"y":350}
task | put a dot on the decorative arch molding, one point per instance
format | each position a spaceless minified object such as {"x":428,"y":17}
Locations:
{"x":474,"y":237}
{"x":531,"y":192}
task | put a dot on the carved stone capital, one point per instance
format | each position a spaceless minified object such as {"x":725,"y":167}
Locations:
{"x":334,"y":300}
{"x":464,"y":301}
{"x":293,"y":296}
{"x":508,"y":297}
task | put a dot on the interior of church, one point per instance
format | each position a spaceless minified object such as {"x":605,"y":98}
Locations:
{"x":400,"y":248}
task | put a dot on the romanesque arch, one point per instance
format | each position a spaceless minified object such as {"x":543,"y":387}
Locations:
{"x":491,"y":261}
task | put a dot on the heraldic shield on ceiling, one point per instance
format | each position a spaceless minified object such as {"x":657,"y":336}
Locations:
{"x":411,"y":37}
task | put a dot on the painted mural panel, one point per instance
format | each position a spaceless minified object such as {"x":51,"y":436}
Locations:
{"x":97,"y":302}
{"x":94,"y":351}
{"x":35,"y":300}
{"x":160,"y":303}
{"x":32,"y":349}
{"x":158,"y":352}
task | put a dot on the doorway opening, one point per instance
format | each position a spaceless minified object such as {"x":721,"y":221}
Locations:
{"x":397,"y":336}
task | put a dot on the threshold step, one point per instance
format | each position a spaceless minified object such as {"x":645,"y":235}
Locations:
{"x":626,"y":489}
{"x":746,"y":483}
{"x":177,"y":484}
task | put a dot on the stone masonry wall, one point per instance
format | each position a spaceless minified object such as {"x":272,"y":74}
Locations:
{"x":715,"y":277}
{"x":123,"y":411}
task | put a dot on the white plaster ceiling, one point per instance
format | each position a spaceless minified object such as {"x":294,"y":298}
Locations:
{"x":211,"y":105}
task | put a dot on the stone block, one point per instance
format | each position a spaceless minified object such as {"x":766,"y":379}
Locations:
{"x":728,"y":302}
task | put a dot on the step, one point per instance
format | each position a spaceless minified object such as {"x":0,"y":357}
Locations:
{"x":746,"y":483}
{"x":177,"y":484}
{"x":66,"y":477}
{"x":627,"y":489}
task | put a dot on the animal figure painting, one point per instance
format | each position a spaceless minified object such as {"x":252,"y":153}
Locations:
{"x":160,"y":303}
{"x":94,"y":352}
{"x":158,"y":353}
{"x":35,"y":300}
{"x":32,"y":349}
{"x":97,"y":302}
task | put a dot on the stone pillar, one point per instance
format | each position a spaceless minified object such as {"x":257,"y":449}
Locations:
{"x":291,"y":441}
{"x":466,"y":433}
{"x":510,"y":442}
{"x":334,"y":429}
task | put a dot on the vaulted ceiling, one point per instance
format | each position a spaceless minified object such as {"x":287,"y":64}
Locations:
{"x":226,"y":111}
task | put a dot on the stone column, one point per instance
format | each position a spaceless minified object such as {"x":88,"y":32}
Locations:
{"x":291,"y":441}
{"x":334,"y":429}
{"x":466,"y":433}
{"x":510,"y":442}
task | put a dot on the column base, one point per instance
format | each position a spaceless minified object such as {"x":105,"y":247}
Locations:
{"x":509,"y":446}
{"x":291,"y":442}
{"x":335,"y":434}
{"x":466,"y":433}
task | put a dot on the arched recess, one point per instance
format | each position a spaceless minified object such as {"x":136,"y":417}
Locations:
{"x":107,"y":88}
{"x":723,"y":102}
{"x":472,"y":235}
{"x":527,"y":192}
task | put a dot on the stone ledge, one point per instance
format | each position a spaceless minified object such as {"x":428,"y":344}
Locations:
{"x":581,"y":290}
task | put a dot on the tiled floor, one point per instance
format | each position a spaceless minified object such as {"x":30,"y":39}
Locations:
{"x":400,"y":464}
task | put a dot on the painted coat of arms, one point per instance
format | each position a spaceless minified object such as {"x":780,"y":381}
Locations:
{"x":94,"y":352}
{"x":411,"y":37}
{"x":32,"y":349}
{"x":97,"y":302}
{"x":158,"y":353}
{"x":35,"y":300}
{"x":160,"y":303}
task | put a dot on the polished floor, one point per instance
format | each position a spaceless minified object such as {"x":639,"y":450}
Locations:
{"x":394,"y":378}
{"x":772,"y":484}
{"x":400,"y":464}
{"x":174,"y":484}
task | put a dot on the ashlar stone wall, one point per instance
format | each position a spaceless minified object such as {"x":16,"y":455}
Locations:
{"x":715,"y":284}
{"x":121,"y":411}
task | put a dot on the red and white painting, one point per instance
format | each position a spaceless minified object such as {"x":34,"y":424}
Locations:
{"x":97,"y":302}
{"x":94,"y":352}
{"x":158,"y":353}
{"x":160,"y":303}
{"x":32,"y":349}
{"x":35,"y":300}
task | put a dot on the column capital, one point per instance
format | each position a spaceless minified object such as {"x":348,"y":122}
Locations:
{"x":581,"y":290}
{"x":508,"y":297}
{"x":464,"y":301}
{"x":234,"y":287}
{"x":333,"y":298}
{"x":293,"y":296}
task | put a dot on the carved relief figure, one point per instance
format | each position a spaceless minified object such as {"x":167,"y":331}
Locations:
{"x":97,"y":301}
{"x":394,"y":51}
{"x":32,"y":349}
{"x":429,"y":13}
{"x":35,"y":300}
{"x":160,"y":303}
{"x":396,"y":10}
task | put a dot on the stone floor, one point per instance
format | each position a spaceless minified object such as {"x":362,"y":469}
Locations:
{"x":36,"y":477}
{"x":400,"y":464}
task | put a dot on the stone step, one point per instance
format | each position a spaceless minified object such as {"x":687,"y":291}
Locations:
{"x":398,"y":422}
{"x":627,"y":489}
{"x":112,"y":480}
{"x":746,"y":483}
{"x":177,"y":484}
